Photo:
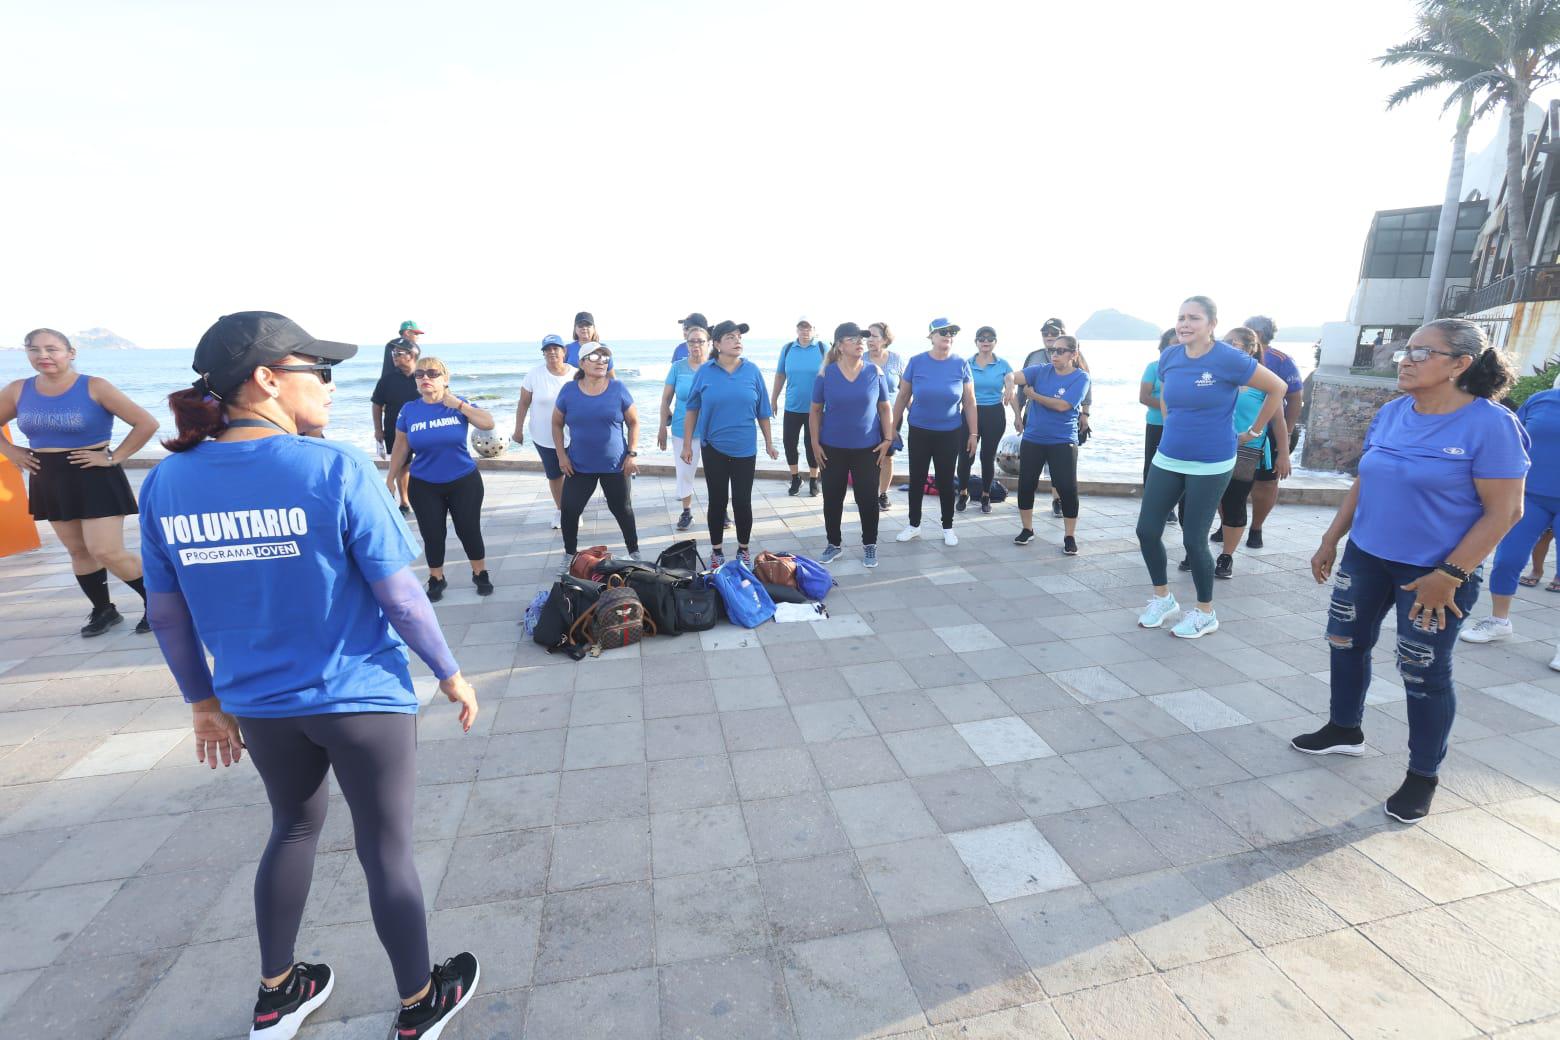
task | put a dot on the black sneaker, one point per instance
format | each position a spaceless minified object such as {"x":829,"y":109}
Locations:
{"x":436,"y":587}
{"x":1185,"y":564}
{"x":1172,"y":521}
{"x":962,"y":502}
{"x":450,"y":988}
{"x":100,"y":621}
{"x":1024,"y":537}
{"x":882,"y":501}
{"x":1411,"y":802}
{"x":1254,"y":539}
{"x":280,"y":1012}
{"x":406,"y":510}
{"x":1331,"y":740}
{"x":1056,"y":507}
{"x":812,"y":487}
{"x":985,"y":504}
{"x":483,"y":583}
{"x":1217,"y":535}
{"x":144,"y":626}
{"x":1070,"y":545}
{"x":1224,"y":566}
{"x":796,"y":484}
{"x":685,"y":521}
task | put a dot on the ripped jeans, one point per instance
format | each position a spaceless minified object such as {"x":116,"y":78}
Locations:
{"x":1365,"y":589}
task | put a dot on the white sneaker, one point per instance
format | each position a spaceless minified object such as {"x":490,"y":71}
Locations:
{"x":907,"y":534}
{"x":949,"y":538}
{"x":1487,"y":630}
{"x":1159,"y":608}
{"x":1195,"y":624}
{"x":1555,"y":663}
{"x":557,"y":519}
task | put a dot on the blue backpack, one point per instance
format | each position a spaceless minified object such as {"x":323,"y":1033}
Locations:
{"x":747,"y":604}
{"x":812,"y":578}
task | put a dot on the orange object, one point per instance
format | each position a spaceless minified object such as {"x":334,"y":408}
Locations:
{"x":18,"y":530}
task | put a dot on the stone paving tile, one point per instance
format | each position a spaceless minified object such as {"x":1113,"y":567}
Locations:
{"x":939,"y":749}
{"x":1002,"y":741}
{"x":594,"y":931}
{"x":1070,"y":940}
{"x":623,"y":1005}
{"x":854,"y":763}
{"x":1496,"y":845}
{"x":1427,"y":864}
{"x":1351,"y":884}
{"x":878,"y":814}
{"x":698,"y":839}
{"x":1011,"y":860}
{"x":1245,"y":995}
{"x":702,"y":915}
{"x":1098,"y":843}
{"x":1171,"y":922}
{"x":963,"y":964}
{"x":606,"y":852}
{"x":813,"y":898}
{"x":1140,"y":1007}
{"x":1265,"y":903}
{"x":739,"y":997}
{"x":849,"y":986}
{"x":915,"y":878}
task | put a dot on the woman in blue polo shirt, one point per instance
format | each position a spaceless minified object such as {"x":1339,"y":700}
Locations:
{"x":1201,"y":378}
{"x":993,"y":380}
{"x":598,"y":413}
{"x":800,"y":361}
{"x":445,"y":480}
{"x":851,"y":433}
{"x":1440,"y":484}
{"x":1055,"y":394}
{"x":879,"y":339}
{"x":726,"y":401}
{"x":674,"y":409}
{"x":938,"y":390}
{"x":282,"y":556}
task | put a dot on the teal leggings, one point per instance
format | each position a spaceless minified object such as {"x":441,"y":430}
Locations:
{"x":1161,"y":491}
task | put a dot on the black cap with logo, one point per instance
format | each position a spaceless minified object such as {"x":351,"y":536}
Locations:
{"x":240,"y":343}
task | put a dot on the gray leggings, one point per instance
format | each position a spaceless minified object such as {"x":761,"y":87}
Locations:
{"x":1161,"y":491}
{"x":374,"y":756}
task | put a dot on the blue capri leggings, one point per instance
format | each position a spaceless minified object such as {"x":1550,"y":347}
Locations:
{"x":1539,"y":513}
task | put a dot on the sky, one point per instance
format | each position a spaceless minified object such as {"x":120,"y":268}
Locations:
{"x":489,"y":168}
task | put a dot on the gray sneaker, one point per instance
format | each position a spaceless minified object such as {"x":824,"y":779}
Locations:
{"x":831,"y":554}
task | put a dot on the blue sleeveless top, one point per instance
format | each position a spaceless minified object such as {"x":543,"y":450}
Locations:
{"x":70,"y":420}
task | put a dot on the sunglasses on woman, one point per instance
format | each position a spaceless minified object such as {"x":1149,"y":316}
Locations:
{"x":426,"y":373}
{"x":596,"y":356}
{"x":1062,"y":350}
{"x":321,"y":369}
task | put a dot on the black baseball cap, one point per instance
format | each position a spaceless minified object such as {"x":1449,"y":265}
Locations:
{"x":848,"y":330}
{"x":584,"y":318}
{"x":1056,"y":325}
{"x":985,"y":330}
{"x":695,"y":320}
{"x":727,"y":326}
{"x":240,"y":343}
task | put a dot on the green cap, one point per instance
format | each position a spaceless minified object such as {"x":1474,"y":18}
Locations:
{"x":409,"y":326}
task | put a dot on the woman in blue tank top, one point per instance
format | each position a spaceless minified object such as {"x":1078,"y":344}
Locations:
{"x":75,"y":480}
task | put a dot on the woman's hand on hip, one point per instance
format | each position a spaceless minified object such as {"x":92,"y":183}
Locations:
{"x":22,"y":458}
{"x":216,"y":734}
{"x":459,"y":691}
{"x":90,"y":458}
{"x":1433,"y":596}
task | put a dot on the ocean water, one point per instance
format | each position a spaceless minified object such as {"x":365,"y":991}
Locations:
{"x":489,"y":374}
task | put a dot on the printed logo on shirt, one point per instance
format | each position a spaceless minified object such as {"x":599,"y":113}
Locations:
{"x":433,"y":424}
{"x":231,"y":526}
{"x":1206,"y":379}
{"x":1454,"y":451}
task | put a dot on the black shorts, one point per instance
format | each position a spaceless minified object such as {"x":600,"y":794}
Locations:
{"x":390,"y":440}
{"x":61,"y":491}
{"x":1265,"y":476}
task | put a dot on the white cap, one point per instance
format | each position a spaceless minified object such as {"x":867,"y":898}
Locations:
{"x":804,"y":320}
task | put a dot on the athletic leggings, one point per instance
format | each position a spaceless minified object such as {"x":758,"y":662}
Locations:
{"x":794,"y":428}
{"x":374,"y":758}
{"x":1063,"y":462}
{"x":1152,"y":434}
{"x":461,"y":499}
{"x":1232,"y":505}
{"x":991,"y":423}
{"x":722,"y":474}
{"x":576,"y":496}
{"x":937,"y":449}
{"x":860,"y":465}
{"x":1160,"y":494}
{"x":1539,"y":514}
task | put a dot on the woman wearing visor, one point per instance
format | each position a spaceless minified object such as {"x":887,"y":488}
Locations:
{"x":284,"y":557}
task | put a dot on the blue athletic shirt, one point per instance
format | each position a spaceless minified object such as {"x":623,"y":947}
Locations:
{"x":679,"y":352}
{"x":1151,"y":375}
{"x":1043,"y":425}
{"x":1247,"y":406}
{"x":893,"y":367}
{"x":680,"y":378}
{"x":938,"y":389}
{"x":1282,"y":365}
{"x":1417,"y":496}
{"x":1540,"y":415}
{"x":274,"y":543}
{"x":850,"y":407}
{"x":729,"y":403}
{"x":988,"y":380}
{"x":595,"y":425}
{"x":1199,"y":397}
{"x":437,"y":438}
{"x":800,"y":365}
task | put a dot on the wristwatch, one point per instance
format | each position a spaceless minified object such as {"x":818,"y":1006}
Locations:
{"x":633,"y":454}
{"x":109,"y":452}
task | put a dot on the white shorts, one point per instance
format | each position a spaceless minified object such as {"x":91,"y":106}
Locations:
{"x":685,"y":470}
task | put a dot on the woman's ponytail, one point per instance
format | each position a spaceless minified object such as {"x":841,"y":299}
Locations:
{"x":1488,"y":376}
{"x":197,"y":416}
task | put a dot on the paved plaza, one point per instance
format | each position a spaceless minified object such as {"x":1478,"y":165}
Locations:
{"x":976,"y":802}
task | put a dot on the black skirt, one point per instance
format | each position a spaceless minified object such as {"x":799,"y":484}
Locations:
{"x":61,"y":491}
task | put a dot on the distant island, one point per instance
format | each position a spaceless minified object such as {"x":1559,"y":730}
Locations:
{"x":1111,"y":324}
{"x":95,"y":339}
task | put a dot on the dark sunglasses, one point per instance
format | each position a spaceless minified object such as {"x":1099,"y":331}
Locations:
{"x":320,"y":369}
{"x":426,"y":373}
{"x":1064,"y":350}
{"x":985,"y":339}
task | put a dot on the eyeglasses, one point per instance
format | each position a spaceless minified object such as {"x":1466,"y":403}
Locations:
{"x":985,"y":339}
{"x":1418,"y":355}
{"x":321,"y":369}
{"x":426,"y":373}
{"x":596,"y":355}
{"x":692,"y":342}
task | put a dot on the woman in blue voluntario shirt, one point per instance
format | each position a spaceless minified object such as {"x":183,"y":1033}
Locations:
{"x":674,"y":409}
{"x":284,"y":558}
{"x":603,"y":426}
{"x":1439,"y":485}
{"x":1054,"y":394}
{"x":445,"y":480}
{"x":851,"y":432}
{"x":993,"y":381}
{"x":726,"y":400}
{"x":1201,"y":378}
{"x":1232,"y":505}
{"x":879,"y":339}
{"x":939,"y":393}
{"x":800,"y":361}
{"x":75,"y":480}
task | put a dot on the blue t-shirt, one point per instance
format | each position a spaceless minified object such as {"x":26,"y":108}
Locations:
{"x":595,"y":425}
{"x":1282,"y":365}
{"x":729,"y":403}
{"x":1247,"y":406}
{"x":1047,"y":426}
{"x":893,"y":367}
{"x":571,"y":354}
{"x":850,"y":407}
{"x":1540,"y":415}
{"x":800,"y":366}
{"x":274,"y":543}
{"x":938,"y":389}
{"x":437,"y":437}
{"x":1151,"y":375}
{"x":988,"y":381}
{"x":1199,"y":397}
{"x":1417,"y":496}
{"x":679,"y":352}
{"x":680,"y":378}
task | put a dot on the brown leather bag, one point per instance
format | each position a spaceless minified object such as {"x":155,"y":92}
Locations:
{"x":775,"y":568}
{"x":587,"y":560}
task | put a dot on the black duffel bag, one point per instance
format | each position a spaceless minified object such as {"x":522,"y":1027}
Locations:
{"x":784,"y":593}
{"x":569,"y":598}
{"x":681,"y":559}
{"x":625,"y":567}
{"x":697,"y":603}
{"x":654,"y":589}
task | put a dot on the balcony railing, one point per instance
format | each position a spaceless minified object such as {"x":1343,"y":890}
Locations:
{"x":1532,"y":283}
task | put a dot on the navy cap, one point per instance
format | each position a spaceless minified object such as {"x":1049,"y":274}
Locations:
{"x":848,"y":330}
{"x":695,"y":320}
{"x":724,"y":327}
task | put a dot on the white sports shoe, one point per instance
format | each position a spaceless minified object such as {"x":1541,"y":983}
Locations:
{"x":1555,"y":663}
{"x":1487,"y":630}
{"x":557,"y":519}
{"x":949,"y":538}
{"x":1159,"y":608}
{"x":907,"y":534}
{"x":1195,"y":624}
